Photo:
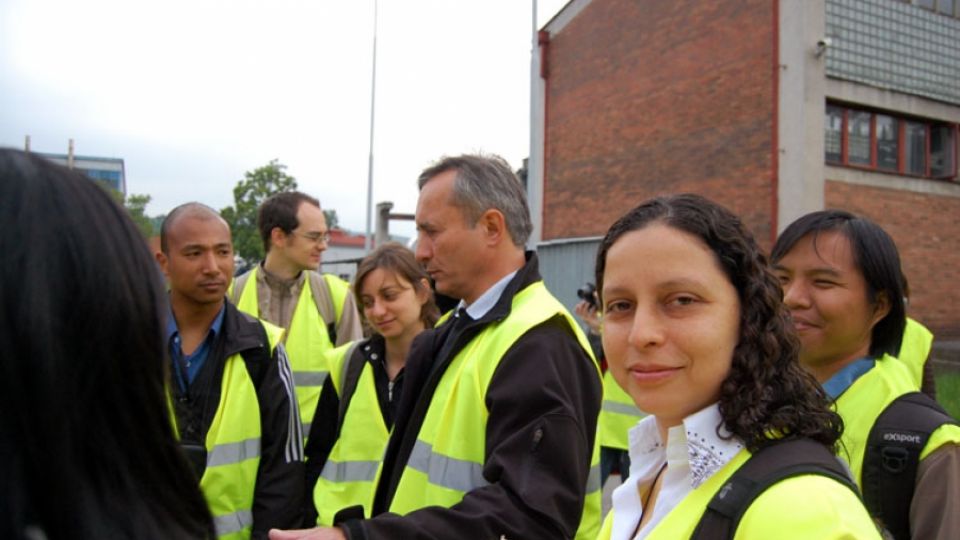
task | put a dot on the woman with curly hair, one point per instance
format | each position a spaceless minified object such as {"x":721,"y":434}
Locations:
{"x":695,"y":331}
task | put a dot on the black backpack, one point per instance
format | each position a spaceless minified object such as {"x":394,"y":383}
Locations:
{"x":892,"y":457}
{"x":769,"y":465}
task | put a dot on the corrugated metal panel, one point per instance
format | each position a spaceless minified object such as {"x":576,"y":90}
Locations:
{"x":566,"y":266}
{"x":896,"y":46}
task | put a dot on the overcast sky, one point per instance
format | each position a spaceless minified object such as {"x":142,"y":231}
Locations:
{"x":193,"y":93}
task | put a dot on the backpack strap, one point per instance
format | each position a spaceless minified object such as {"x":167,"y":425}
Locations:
{"x":892,"y":457}
{"x":352,"y":368}
{"x":769,"y":465}
{"x":323,"y":298}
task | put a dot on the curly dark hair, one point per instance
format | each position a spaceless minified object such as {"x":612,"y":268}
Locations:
{"x":766,"y":396}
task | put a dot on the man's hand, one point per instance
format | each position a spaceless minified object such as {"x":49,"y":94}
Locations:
{"x":588,"y":313}
{"x":320,"y":533}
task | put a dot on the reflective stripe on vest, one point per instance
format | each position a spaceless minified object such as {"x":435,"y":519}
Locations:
{"x":348,"y":475}
{"x":350,"y":471}
{"x":447,"y":472}
{"x":618,"y":414}
{"x":448,"y":457}
{"x":306,"y":341}
{"x":237,"y":524}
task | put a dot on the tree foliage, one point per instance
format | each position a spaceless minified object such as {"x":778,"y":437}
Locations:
{"x":257,"y":185}
{"x":332,"y":220}
{"x":136,"y":206}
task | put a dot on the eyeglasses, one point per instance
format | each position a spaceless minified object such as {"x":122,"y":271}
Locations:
{"x":316,"y":237}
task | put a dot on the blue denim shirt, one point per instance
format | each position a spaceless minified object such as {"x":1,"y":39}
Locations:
{"x":186,"y":366}
{"x":842,"y":379}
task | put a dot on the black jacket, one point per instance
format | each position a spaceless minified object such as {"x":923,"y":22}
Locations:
{"x":543,"y":403}
{"x":276,"y":502}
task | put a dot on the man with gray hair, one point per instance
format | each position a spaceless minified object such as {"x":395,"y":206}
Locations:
{"x":496,"y":429}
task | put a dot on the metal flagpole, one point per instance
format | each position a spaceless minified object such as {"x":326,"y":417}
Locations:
{"x":368,"y":240}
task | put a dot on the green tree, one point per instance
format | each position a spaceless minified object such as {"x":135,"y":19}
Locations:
{"x":256,"y":186}
{"x":136,"y":206}
{"x":332,"y":219}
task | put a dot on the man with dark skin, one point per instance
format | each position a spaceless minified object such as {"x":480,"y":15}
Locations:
{"x":232,"y":390}
{"x":495,"y":434}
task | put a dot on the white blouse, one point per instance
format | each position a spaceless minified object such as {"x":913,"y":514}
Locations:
{"x":693,"y":453}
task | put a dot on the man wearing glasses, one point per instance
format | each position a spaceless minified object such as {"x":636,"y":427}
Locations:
{"x":285,"y":289}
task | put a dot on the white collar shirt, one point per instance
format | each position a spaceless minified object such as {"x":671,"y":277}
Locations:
{"x":693,"y":453}
{"x":482,"y":305}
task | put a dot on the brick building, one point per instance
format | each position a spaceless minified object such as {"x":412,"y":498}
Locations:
{"x":774,"y":108}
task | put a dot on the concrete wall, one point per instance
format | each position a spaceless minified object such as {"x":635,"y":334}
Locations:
{"x":800,"y":110}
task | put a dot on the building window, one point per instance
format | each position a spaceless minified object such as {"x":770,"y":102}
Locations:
{"x":943,"y":162}
{"x":883,"y":142}
{"x":916,"y":148}
{"x":834,"y":134}
{"x":858,"y":137}
{"x":888,"y":135}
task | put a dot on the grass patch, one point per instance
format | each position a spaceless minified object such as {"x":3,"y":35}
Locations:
{"x":948,"y":393}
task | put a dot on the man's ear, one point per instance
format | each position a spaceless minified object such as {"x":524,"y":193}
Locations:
{"x":881,"y":306}
{"x":162,"y":261}
{"x":278,"y":238}
{"x":423,"y":291}
{"x":494,"y":226}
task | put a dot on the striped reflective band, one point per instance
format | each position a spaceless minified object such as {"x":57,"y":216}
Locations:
{"x":350,"y":471}
{"x":309,"y":378}
{"x":233,"y":523}
{"x":446,"y":471}
{"x":622,"y":408}
{"x":230,"y":453}
{"x":593,"y":479}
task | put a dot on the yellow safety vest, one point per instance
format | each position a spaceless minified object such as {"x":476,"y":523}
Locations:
{"x":306,"y":341}
{"x":915,"y":348}
{"x":451,"y":439}
{"x":348,"y":475}
{"x":618,"y":414}
{"x":829,"y":510}
{"x":866,"y":398}
{"x":233,"y":448}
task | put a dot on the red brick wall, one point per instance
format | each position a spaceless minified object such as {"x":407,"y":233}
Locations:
{"x":923,"y":226}
{"x":654,"y":97}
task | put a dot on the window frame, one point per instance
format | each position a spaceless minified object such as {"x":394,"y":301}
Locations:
{"x":901,"y":122}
